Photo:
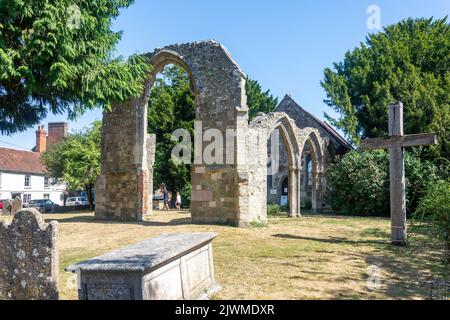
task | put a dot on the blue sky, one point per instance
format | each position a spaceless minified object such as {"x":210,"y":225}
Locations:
{"x":284,"y":44}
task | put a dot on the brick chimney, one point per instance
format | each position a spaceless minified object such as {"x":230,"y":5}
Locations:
{"x":41,"y":139}
{"x":57,"y":131}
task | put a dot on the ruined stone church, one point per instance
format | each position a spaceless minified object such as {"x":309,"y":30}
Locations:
{"x":278,"y":182}
{"x":236,"y":189}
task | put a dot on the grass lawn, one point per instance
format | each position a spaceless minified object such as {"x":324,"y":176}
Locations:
{"x":315,"y":257}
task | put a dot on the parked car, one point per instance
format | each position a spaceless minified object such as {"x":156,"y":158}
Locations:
{"x":1,"y":204}
{"x":75,"y":201}
{"x":43,"y":205}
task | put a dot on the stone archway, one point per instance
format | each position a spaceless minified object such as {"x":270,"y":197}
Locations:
{"x":260,"y":131}
{"x":311,"y":137}
{"x":219,"y":190}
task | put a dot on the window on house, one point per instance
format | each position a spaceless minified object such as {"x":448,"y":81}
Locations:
{"x":46,"y":196}
{"x":26,"y":198}
{"x":46,"y":182}
{"x":27,"y":181}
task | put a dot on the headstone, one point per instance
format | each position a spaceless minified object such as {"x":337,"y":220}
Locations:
{"x":168,"y":267}
{"x":6,"y":208}
{"x":395,"y":143}
{"x":29,"y":265}
{"x":17,"y":205}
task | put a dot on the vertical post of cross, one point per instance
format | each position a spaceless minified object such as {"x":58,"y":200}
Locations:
{"x":397,"y":177}
{"x":396,"y":142}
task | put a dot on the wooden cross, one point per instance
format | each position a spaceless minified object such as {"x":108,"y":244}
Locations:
{"x":395,"y":143}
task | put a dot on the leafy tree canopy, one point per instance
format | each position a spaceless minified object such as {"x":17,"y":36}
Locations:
{"x":76,"y":160}
{"x":171,"y":107}
{"x":409,"y":62}
{"x":258,"y":100}
{"x":57,"y":56}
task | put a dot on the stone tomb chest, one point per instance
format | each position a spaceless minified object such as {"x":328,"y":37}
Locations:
{"x":169,"y":267}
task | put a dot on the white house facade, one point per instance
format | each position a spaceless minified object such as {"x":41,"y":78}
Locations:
{"x":23,"y":174}
{"x":29,"y":186}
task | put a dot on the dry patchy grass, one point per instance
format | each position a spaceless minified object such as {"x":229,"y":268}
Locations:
{"x":315,"y":257}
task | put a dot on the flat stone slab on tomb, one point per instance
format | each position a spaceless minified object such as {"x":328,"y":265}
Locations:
{"x":171,"y":266}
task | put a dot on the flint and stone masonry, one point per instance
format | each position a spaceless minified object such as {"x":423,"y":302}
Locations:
{"x":294,"y":140}
{"x":220,"y":192}
{"x":234,"y":192}
{"x":29,"y":258}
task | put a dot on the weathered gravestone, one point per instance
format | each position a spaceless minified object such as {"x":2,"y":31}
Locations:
{"x":395,"y":143}
{"x":6,"y":208}
{"x":169,"y":267}
{"x":17,"y":205}
{"x":28,"y":258}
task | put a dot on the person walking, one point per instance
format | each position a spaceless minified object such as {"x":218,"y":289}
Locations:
{"x":165,"y":197}
{"x":178,"y":201}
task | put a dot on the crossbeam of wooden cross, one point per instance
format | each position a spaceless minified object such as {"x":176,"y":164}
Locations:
{"x":412,"y":140}
{"x":395,"y":143}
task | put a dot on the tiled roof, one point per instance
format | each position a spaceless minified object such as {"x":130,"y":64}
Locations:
{"x":21,"y":161}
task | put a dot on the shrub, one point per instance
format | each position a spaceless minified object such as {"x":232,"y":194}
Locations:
{"x":273,"y":210}
{"x":306,"y":205}
{"x":420,"y":175}
{"x":434,"y":208}
{"x":359,"y":182}
{"x":186,"y":195}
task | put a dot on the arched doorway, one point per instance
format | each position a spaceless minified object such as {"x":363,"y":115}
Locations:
{"x":219,"y":189}
{"x":277,"y":170}
{"x":171,"y":107}
{"x":312,"y":168}
{"x":262,"y":131}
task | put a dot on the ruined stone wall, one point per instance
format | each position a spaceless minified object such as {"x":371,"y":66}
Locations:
{"x":262,"y":127}
{"x":331,"y":146}
{"x":219,"y":191}
{"x":29,"y":265}
{"x":257,"y":173}
{"x":122,"y":190}
{"x":231,"y":189}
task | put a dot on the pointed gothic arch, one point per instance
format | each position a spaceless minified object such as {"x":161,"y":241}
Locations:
{"x":124,"y":186}
{"x":311,"y":137}
{"x":263,"y":127}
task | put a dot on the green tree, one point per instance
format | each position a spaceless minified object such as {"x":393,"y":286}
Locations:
{"x":171,"y":107}
{"x":76,"y":160}
{"x":359,"y":182}
{"x":409,"y":62}
{"x":258,"y":100}
{"x":57,"y":57}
